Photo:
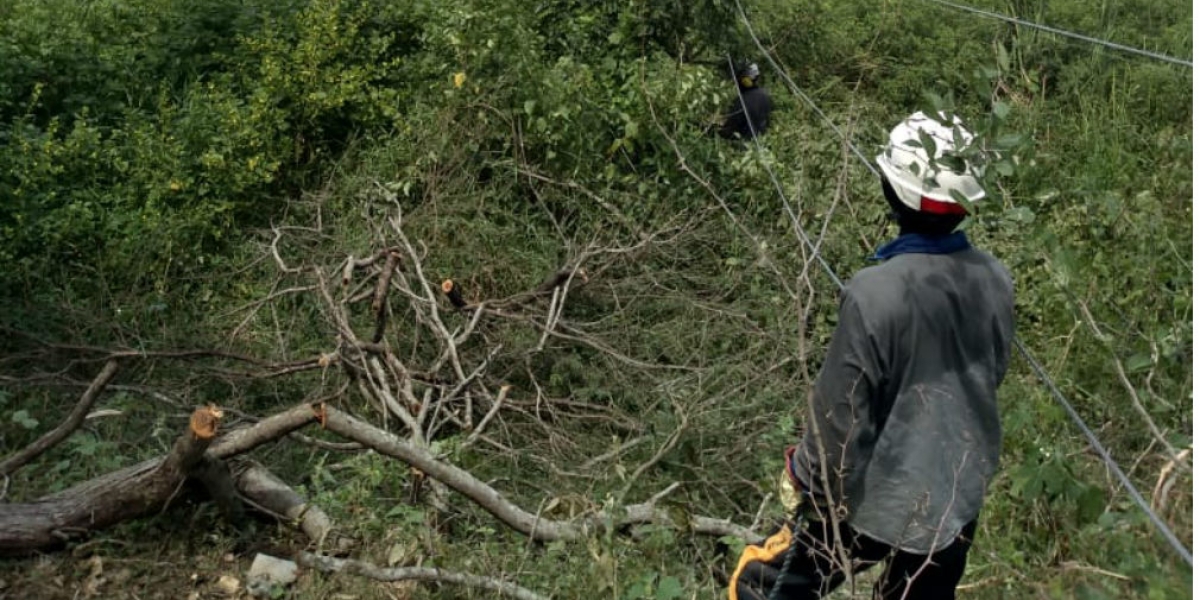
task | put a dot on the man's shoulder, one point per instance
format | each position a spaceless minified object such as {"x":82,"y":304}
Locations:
{"x":875,"y":289}
{"x":868,"y":279}
{"x":897,"y":274}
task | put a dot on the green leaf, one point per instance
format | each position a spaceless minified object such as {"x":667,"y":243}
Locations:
{"x":1020,"y":214}
{"x":1009,"y":140}
{"x":960,"y":199}
{"x":669,"y":588}
{"x":22,"y":418}
{"x":1090,"y":504}
{"x":1002,"y":58}
{"x":1138,"y":363}
{"x":1001,"y":109}
{"x":928,"y":144}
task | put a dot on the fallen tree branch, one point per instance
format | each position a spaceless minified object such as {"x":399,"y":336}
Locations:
{"x":136,"y":490}
{"x":110,"y":499}
{"x":430,"y":574}
{"x":243,"y":440}
{"x":148,"y":486}
{"x":64,"y":429}
{"x":492,"y":501}
{"x":271,"y":494}
{"x":379,"y":303}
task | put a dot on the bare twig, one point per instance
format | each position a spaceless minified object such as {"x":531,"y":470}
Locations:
{"x":662,"y":451}
{"x":275,"y":253}
{"x":499,"y":401}
{"x":1166,"y":479}
{"x":64,"y":429}
{"x":427,"y":574}
{"x":1133,"y":395}
{"x":492,"y":501}
{"x":599,"y":458}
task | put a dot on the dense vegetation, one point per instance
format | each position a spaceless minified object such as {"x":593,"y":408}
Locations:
{"x":163,"y":160}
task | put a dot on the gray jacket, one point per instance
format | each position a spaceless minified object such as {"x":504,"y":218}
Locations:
{"x":904,"y":410}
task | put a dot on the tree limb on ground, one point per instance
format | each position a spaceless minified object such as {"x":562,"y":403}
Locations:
{"x":492,"y":501}
{"x":110,"y":499}
{"x":269,"y":493}
{"x":149,"y":486}
{"x":137,"y":490}
{"x":430,"y":574}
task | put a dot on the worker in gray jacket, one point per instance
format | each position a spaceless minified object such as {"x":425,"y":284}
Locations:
{"x":903,"y":430}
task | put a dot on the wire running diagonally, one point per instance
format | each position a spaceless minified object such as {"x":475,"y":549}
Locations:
{"x":1065,"y":33}
{"x":797,"y":91}
{"x":1037,"y":367}
{"x":812,"y":247}
{"x":1099,"y":448}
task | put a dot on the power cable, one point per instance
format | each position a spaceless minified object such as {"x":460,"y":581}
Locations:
{"x":799,"y":229}
{"x":1065,"y":33}
{"x":1037,"y":367}
{"x":1113,"y":467}
{"x":797,"y":91}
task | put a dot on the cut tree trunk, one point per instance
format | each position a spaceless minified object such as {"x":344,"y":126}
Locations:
{"x":109,"y":499}
{"x":134,"y":491}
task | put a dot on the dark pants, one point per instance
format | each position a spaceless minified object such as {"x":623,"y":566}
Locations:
{"x":815,"y":568}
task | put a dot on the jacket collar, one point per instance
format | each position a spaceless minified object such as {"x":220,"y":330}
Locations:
{"x":918,"y":243}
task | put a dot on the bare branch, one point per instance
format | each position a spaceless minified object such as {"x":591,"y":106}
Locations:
{"x":269,"y":492}
{"x":599,"y":458}
{"x":428,"y":574}
{"x":492,"y":501}
{"x":488,"y":417}
{"x":64,"y":429}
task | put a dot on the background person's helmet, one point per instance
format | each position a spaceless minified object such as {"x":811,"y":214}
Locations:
{"x":920,"y":184}
{"x":748,"y":74}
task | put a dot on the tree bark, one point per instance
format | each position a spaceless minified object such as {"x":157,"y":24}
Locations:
{"x":263,"y":488}
{"x":137,"y":490}
{"x":108,"y":499}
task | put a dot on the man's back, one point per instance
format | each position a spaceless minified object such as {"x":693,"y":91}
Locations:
{"x":910,"y":390}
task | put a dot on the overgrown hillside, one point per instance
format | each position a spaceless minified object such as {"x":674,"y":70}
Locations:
{"x":255,"y":204}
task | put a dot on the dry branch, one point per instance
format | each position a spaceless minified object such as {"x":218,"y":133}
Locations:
{"x":149,"y":486}
{"x":379,"y":303}
{"x":429,"y":574}
{"x":269,"y":429}
{"x":64,"y":429}
{"x":492,"y":501}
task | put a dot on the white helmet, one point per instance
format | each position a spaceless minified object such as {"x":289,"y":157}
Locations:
{"x":920,"y":184}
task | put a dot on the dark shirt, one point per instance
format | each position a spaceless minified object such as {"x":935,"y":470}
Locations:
{"x":904,"y":425}
{"x":758,"y":107}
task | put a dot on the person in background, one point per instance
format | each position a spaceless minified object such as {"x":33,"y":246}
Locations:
{"x":903,"y":430}
{"x":749,"y":114}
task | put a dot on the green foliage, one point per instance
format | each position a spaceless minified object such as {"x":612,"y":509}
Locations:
{"x":150,"y":171}
{"x":149,"y":144}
